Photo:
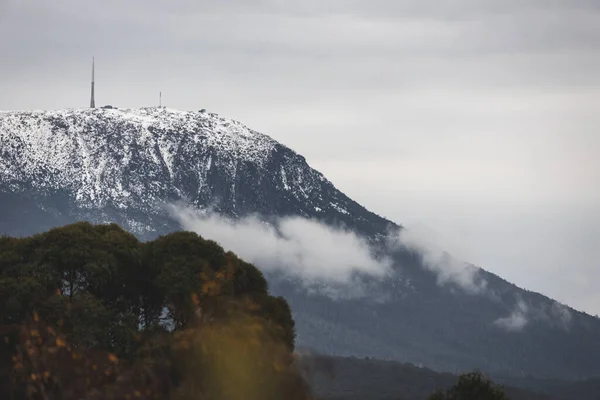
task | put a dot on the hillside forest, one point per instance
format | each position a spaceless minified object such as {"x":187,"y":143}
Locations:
{"x":90,"y":312}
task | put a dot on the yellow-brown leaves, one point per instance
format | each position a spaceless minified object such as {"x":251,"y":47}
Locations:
{"x":250,"y":305}
{"x":213,"y":282}
{"x":195,"y":299}
{"x":211,"y":288}
{"x":228,"y":357}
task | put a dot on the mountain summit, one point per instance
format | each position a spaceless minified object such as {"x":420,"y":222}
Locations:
{"x":124,"y":165}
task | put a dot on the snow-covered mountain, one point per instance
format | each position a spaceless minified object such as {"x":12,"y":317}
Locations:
{"x":123,"y":165}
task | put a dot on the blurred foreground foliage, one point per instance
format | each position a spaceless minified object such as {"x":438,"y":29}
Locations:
{"x":89,"y":312}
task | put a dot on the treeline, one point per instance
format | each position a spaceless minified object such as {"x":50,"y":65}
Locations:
{"x":90,"y":312}
{"x":350,"y":378}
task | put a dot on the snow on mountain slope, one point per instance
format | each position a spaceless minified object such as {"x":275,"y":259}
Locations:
{"x":133,"y":160}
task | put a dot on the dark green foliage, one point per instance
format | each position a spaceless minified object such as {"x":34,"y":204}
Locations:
{"x":351,"y":378}
{"x":106,"y":272}
{"x":471,"y":386}
{"x":247,"y":276}
{"x":106,"y":291}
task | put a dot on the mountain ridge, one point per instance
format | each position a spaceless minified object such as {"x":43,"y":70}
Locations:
{"x":97,"y":153}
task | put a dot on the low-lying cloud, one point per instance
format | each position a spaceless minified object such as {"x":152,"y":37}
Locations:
{"x":551,"y":313}
{"x":517,"y":320}
{"x":335,"y":262}
{"x":449,"y":270}
{"x":331,"y":261}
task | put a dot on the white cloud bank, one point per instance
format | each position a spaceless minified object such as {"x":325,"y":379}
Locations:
{"x":333,"y":260}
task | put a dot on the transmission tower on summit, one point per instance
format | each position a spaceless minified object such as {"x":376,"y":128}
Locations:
{"x":92,"y":101}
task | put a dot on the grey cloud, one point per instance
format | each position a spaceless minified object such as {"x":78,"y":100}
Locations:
{"x":381,"y":8}
{"x":334,"y":49}
{"x":341,"y":29}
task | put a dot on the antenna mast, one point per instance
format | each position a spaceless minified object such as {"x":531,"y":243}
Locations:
{"x":159,"y":99}
{"x":92,"y":101}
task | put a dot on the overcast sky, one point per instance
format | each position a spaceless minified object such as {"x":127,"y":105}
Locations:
{"x":477,"y":119}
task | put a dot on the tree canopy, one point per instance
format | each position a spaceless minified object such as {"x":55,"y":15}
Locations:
{"x":471,"y":386}
{"x":91,"y":312}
